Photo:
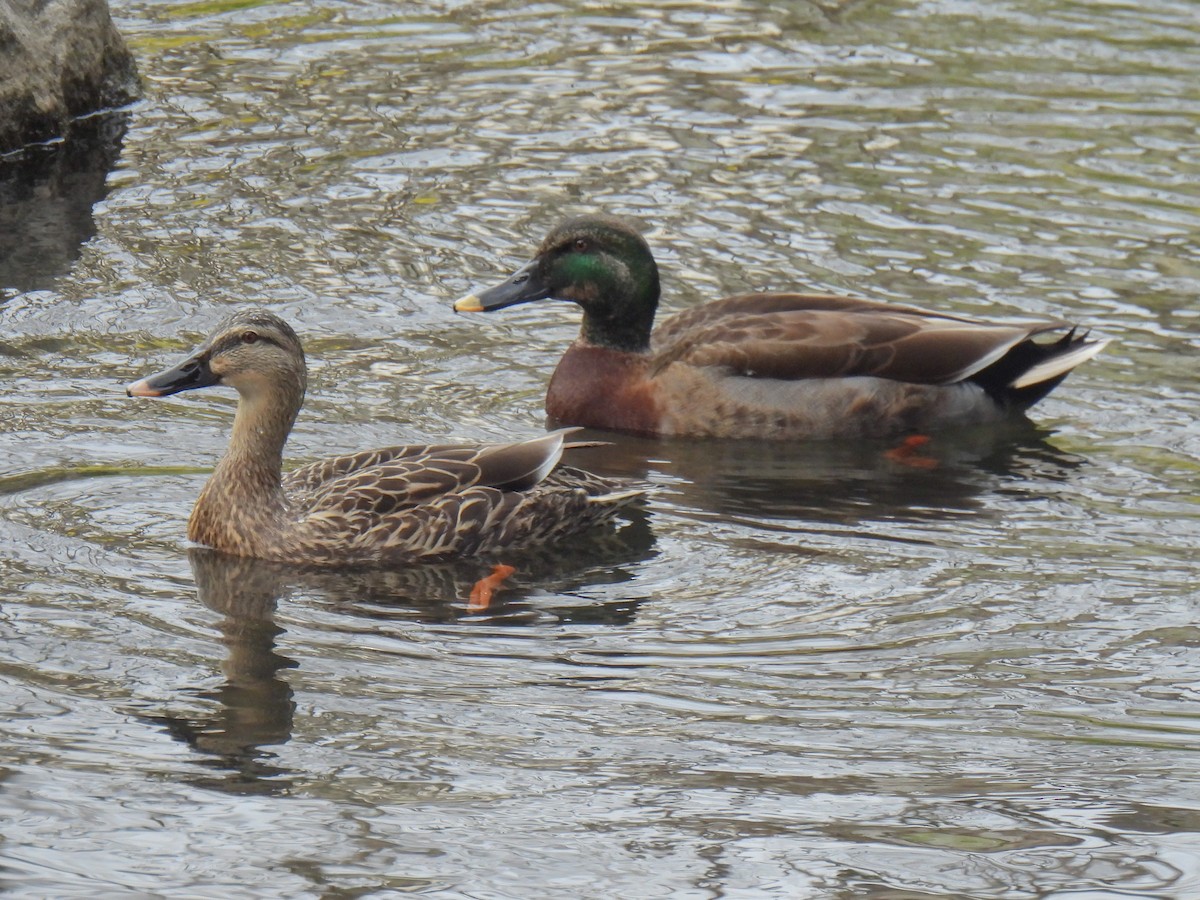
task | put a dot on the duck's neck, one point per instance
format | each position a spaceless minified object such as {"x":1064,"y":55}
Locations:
{"x":243,"y":504}
{"x":628,"y":335}
{"x":619,"y":313}
{"x":260,"y":429}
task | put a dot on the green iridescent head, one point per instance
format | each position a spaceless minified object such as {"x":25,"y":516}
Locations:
{"x":598,"y":262}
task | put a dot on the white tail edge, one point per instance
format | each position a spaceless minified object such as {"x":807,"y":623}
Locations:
{"x":1059,"y":365}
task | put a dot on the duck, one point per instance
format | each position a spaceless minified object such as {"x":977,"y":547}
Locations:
{"x":769,"y":365}
{"x":393,"y":505}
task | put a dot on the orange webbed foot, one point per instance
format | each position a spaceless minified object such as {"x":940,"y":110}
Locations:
{"x":908,"y":453}
{"x":481,"y":593}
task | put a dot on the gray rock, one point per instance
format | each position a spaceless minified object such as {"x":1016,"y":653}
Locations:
{"x":59,"y":59}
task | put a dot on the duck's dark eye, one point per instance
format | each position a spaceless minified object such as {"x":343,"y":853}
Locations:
{"x":249,"y":337}
{"x":582,"y":245}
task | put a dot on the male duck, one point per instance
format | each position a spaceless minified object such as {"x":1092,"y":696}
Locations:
{"x":769,"y":365}
{"x":392,"y":505}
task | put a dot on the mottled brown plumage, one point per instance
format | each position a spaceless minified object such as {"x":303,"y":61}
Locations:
{"x":392,"y":505}
{"x":769,"y":365}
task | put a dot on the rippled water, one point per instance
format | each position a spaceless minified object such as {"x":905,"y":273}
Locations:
{"x":800,"y":672}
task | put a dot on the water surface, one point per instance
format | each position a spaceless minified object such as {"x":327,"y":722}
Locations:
{"x":800,"y":671}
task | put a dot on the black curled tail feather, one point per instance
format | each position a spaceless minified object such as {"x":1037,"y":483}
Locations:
{"x":1014,"y":381}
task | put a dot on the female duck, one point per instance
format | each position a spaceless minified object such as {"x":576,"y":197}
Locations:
{"x":769,"y":365}
{"x":392,"y":505}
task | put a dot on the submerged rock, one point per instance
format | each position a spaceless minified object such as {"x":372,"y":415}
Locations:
{"x":59,"y":59}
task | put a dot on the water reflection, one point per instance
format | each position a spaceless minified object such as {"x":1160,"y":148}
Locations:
{"x":253,"y":708}
{"x":559,"y":583}
{"x":840,"y":481}
{"x":440,"y":593}
{"x":46,"y":197}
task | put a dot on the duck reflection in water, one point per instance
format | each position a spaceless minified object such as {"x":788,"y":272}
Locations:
{"x":540,"y":590}
{"x":841,"y":482}
{"x":254,"y":708}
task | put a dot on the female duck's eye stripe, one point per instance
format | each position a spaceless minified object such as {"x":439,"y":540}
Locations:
{"x":233,"y":341}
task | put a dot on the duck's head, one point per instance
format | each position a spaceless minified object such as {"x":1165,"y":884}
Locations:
{"x":599,"y":262}
{"x":252,"y":351}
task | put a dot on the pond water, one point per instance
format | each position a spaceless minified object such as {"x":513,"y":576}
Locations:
{"x":799,"y":671}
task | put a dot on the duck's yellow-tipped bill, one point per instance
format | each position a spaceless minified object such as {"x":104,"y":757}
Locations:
{"x":469,"y":303}
{"x":523,"y":286}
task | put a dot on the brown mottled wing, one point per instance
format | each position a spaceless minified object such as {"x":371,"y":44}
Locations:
{"x":795,"y":336}
{"x":451,"y":524}
{"x":515,"y":466}
{"x":420,"y":502}
{"x":306,"y":480}
{"x":435,"y":507}
{"x":476,"y":520}
{"x":396,"y":486}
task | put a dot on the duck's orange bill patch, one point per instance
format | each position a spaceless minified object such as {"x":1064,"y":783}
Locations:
{"x":481,"y":594}
{"x":908,"y":453}
{"x":141,"y":389}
